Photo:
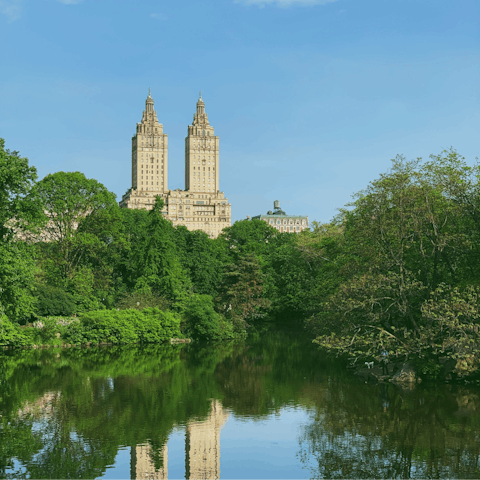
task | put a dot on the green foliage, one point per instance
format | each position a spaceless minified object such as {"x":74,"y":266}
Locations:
{"x":249,"y":237}
{"x":53,"y":301}
{"x":84,"y":228}
{"x":20,"y":215}
{"x":19,"y":209}
{"x":241,"y":298}
{"x":140,"y":299}
{"x":202,"y":258}
{"x":157,"y":266}
{"x":203,"y":322}
{"x":16,"y":280}
{"x":12,"y":335}
{"x":150,"y":325}
{"x":408,"y":244}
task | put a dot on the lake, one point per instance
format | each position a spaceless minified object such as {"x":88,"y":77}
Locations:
{"x":270,"y":407}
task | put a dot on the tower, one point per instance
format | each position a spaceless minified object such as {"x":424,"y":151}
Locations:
{"x":149,"y":153}
{"x":201,"y":154}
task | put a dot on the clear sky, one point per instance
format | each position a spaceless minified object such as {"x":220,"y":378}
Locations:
{"x":310,"y":98}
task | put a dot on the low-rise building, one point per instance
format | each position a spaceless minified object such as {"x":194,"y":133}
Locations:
{"x":282,"y":221}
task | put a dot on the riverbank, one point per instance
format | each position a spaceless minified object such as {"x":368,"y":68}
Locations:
{"x":104,"y":327}
{"x":408,"y":373}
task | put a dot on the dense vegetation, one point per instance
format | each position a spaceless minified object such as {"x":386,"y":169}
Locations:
{"x":396,"y":269}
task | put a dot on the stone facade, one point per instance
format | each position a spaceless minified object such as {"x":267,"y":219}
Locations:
{"x":201,"y":206}
{"x":282,"y":222}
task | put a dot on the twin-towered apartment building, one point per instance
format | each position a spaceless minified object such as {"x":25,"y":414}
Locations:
{"x":201,"y":206}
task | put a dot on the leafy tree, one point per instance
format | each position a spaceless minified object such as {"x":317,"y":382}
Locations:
{"x":406,"y":234}
{"x":20,"y":215}
{"x":157,"y":267}
{"x":19,"y":210}
{"x":241,"y":295}
{"x":203,"y":322}
{"x":81,"y":213}
{"x":202,"y":258}
{"x":248,"y":237}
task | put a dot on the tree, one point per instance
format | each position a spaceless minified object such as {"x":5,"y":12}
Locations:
{"x":82,"y":239}
{"x":157,"y":266}
{"x":202,"y":258}
{"x":248,"y":236}
{"x":19,"y":209}
{"x":410,"y":232}
{"x":20,"y":215}
{"x":241,"y":295}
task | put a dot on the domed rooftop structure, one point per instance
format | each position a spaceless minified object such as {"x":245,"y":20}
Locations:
{"x":149,"y":98}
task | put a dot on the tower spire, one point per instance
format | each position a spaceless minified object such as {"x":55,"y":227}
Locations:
{"x":149,"y":102}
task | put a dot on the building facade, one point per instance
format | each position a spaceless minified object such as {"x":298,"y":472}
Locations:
{"x":201,"y":206}
{"x":282,"y":222}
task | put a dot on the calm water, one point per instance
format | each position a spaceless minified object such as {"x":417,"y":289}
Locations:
{"x":268,"y":408}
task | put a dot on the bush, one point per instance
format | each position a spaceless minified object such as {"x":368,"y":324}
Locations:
{"x":53,"y":301}
{"x":203,"y":322}
{"x":141,"y":300}
{"x":150,"y":325}
{"x":11,"y":334}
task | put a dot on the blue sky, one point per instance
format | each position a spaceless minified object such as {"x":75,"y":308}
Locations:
{"x":311,"y":99}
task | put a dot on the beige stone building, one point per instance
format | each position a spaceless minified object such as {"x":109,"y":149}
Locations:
{"x":201,"y":206}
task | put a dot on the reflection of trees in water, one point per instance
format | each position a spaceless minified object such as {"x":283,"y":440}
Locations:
{"x":393,"y":434}
{"x":116,"y":397}
{"x":46,"y":447}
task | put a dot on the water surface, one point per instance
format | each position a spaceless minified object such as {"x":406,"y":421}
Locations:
{"x":272,"y":407}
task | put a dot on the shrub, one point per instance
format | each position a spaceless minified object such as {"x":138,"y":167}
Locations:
{"x":142,"y":299}
{"x":52,"y":301}
{"x":150,"y":325}
{"x":107,"y":326}
{"x":203,"y":322}
{"x":11,"y":334}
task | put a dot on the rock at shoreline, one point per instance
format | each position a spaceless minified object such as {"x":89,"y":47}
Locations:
{"x":180,"y":340}
{"x":407,"y":374}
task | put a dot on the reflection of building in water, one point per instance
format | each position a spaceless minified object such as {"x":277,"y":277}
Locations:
{"x":144,"y":465}
{"x":202,"y":445}
{"x":41,"y":407}
{"x":202,"y":450}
